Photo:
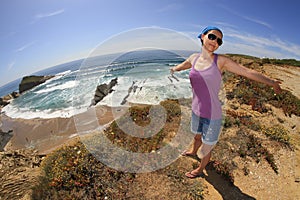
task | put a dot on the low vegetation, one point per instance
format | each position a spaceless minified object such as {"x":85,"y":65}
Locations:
{"x":73,"y":173}
{"x":292,"y":62}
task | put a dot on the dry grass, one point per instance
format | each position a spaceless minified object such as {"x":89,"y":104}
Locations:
{"x":73,"y":173}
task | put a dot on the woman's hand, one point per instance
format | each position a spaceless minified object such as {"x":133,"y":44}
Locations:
{"x":182,"y":66}
{"x":172,"y":70}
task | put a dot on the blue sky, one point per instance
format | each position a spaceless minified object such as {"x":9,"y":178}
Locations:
{"x":36,"y":34}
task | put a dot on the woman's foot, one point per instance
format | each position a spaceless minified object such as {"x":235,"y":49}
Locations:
{"x":192,"y":155}
{"x":194,"y":174}
{"x":187,"y":153}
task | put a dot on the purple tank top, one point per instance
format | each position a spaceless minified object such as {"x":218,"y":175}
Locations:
{"x":206,"y":86}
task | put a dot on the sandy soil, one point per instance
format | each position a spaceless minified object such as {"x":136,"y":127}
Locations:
{"x":45,"y":135}
{"x":290,"y":77}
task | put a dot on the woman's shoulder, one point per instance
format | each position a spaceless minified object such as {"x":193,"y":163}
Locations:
{"x":221,"y":56}
{"x":224,"y":60}
{"x":192,"y":57}
{"x":224,"y":57}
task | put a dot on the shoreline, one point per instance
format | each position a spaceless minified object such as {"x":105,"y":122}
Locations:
{"x":46,"y":135}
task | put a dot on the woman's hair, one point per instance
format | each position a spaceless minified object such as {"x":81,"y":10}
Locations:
{"x":203,"y":34}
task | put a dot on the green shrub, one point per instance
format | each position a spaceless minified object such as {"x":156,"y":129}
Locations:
{"x":277,"y":133}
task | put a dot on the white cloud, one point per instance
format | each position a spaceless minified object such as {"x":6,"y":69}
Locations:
{"x":235,"y":42}
{"x":46,"y":15}
{"x":239,"y":42}
{"x":10,"y":65}
{"x":257,"y":21}
{"x":246,"y":49}
{"x":43,"y":15}
{"x":261,"y":46}
{"x":146,"y":38}
{"x":22,"y":48}
{"x":223,"y":24}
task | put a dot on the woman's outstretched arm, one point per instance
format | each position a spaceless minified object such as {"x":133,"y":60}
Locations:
{"x":232,"y":66}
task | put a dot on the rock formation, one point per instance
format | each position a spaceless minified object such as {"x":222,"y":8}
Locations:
{"x":7,"y":98}
{"x":103,"y":90}
{"x":4,"y":138}
{"x":29,"y":82}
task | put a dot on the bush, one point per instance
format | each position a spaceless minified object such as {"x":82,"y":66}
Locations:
{"x":73,"y":173}
{"x":258,"y":95}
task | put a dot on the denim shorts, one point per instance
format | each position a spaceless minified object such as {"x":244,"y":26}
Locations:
{"x":208,"y":128}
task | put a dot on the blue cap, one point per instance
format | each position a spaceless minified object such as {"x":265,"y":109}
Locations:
{"x":209,"y":28}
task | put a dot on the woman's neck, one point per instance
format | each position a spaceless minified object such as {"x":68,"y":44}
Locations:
{"x":206,"y":54}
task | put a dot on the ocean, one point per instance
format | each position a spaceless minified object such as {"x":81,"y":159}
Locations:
{"x":72,"y":89}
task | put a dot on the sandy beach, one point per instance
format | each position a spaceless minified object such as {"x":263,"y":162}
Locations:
{"x":45,"y":135}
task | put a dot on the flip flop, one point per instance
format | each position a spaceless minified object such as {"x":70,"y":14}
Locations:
{"x":190,"y":155}
{"x":191,"y":175}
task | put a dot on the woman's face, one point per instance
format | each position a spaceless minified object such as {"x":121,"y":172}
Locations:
{"x":211,"y":40}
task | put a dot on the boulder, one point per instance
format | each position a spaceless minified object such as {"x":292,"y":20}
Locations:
{"x":28,"y":82}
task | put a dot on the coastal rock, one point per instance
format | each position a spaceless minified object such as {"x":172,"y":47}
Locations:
{"x":3,"y":102}
{"x":103,"y":90}
{"x":29,"y":82}
{"x":4,"y":138}
{"x":7,"y":98}
{"x":132,"y":89}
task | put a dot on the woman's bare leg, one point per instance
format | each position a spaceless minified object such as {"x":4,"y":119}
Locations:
{"x":199,"y":170}
{"x":202,"y":165}
{"x":196,"y":145}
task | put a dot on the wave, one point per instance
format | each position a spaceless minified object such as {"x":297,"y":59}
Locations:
{"x":147,"y":90}
{"x":15,"y":112}
{"x":52,"y":82}
{"x":63,"y":73}
{"x":140,"y":80}
{"x":114,"y":69}
{"x":69,"y":84}
{"x":89,"y":73}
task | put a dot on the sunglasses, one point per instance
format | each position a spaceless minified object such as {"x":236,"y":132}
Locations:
{"x":213,"y":37}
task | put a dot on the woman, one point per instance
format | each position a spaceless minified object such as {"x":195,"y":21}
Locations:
{"x":205,"y":77}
